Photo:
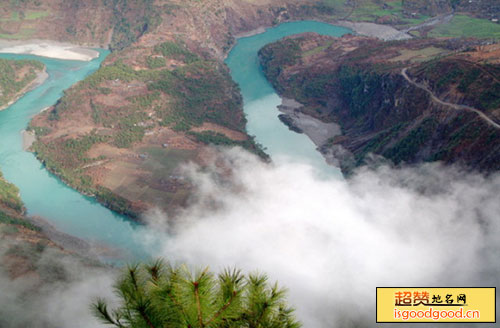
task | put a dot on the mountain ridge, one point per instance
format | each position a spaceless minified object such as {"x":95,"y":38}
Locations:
{"x":357,"y":82}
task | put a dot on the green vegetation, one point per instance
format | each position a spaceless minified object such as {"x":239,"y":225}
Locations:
{"x":465,"y":26}
{"x":24,"y":33}
{"x":10,"y":220}
{"x":376,"y":109}
{"x":182,"y":98}
{"x":470,"y":132}
{"x":65,"y":157}
{"x":126,"y":136}
{"x":477,"y":82}
{"x":32,"y":15}
{"x":130,"y":20}
{"x":490,"y":99}
{"x":9,"y":195}
{"x":366,"y":52}
{"x":468,"y":79}
{"x":40,"y":131}
{"x":406,"y":150}
{"x":277,"y":56}
{"x":196,"y":89}
{"x":15,"y":75}
{"x":11,"y":202}
{"x":317,"y":49}
{"x":75,"y":149}
{"x":179,"y":97}
{"x":116,"y":71}
{"x":371,"y":10}
{"x":160,"y":295}
{"x":214,"y":138}
{"x":313,"y":88}
{"x":17,"y":16}
{"x":173,"y":50}
{"x":338,"y":7}
{"x":155,"y":62}
{"x":419,"y":55}
{"x":376,"y":144}
{"x":358,"y":88}
{"x":273,"y":57}
{"x":114,"y":202}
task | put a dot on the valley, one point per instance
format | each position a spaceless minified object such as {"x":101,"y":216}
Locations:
{"x":253,"y":133}
{"x":122,"y":134}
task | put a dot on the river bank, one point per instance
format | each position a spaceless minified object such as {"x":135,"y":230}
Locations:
{"x":42,"y":193}
{"x":41,"y":77}
{"x":74,"y":214}
{"x":28,"y":139}
{"x":318,"y":131}
{"x":49,"y":49}
{"x":70,"y":243}
{"x":261,"y":100}
{"x":383,"y":32}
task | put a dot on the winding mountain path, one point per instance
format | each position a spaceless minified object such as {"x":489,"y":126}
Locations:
{"x":454,"y":106}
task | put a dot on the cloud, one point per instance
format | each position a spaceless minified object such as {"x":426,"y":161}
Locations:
{"x":329,"y":241}
{"x":332,"y":241}
{"x":56,"y":292}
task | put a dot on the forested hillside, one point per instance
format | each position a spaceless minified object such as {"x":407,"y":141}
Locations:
{"x":409,"y":101}
{"x":164,"y":92}
{"x":16,"y":76}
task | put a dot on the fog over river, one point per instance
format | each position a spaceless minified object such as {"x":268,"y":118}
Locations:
{"x":330,"y":241}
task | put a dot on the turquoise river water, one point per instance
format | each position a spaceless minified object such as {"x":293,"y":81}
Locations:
{"x":261,"y":101}
{"x":70,"y":212}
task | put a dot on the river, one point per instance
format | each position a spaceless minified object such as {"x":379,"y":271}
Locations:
{"x":261,"y":101}
{"x":70,"y":212}
{"x":44,"y":194}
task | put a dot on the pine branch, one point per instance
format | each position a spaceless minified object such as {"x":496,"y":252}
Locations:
{"x":198,"y":303}
{"x":145,"y":317}
{"x":177,"y":304}
{"x":224,"y":308}
{"x":157,"y":297}
{"x":132,"y":270}
{"x":173,"y":277}
{"x":100,"y":309}
{"x":155,"y":270}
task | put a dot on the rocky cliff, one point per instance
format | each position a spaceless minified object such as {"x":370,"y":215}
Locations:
{"x":408,"y":101}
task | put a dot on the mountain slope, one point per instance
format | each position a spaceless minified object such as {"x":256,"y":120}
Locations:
{"x":164,"y":92}
{"x":17,"y":77}
{"x":431,"y":116}
{"x":124,"y":133}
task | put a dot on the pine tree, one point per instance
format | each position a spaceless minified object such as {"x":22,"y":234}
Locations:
{"x":161,"y":296}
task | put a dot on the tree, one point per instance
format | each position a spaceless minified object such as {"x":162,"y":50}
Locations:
{"x":161,"y":295}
